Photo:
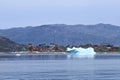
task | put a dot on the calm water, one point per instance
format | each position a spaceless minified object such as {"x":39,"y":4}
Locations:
{"x":37,"y":67}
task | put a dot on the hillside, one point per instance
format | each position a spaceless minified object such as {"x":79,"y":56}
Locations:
{"x":7,"y":45}
{"x":65,"y":34}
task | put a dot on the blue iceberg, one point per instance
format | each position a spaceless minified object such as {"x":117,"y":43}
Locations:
{"x":81,"y":52}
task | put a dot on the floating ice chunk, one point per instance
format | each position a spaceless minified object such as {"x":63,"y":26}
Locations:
{"x":18,"y":54}
{"x":81,"y":52}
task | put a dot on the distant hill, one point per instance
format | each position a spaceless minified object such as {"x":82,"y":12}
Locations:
{"x":7,"y":45}
{"x":65,"y":34}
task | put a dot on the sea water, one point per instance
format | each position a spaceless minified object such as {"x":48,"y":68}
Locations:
{"x":27,"y":67}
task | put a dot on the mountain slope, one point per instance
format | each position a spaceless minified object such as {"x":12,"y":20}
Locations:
{"x":7,"y":45}
{"x":65,"y":34}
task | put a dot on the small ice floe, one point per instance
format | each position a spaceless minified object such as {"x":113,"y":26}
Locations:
{"x":18,"y":54}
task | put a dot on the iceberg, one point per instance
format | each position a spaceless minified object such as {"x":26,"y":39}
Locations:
{"x":81,"y":52}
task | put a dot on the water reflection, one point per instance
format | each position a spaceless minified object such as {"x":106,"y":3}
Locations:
{"x":33,"y":57}
{"x":52,"y":56}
